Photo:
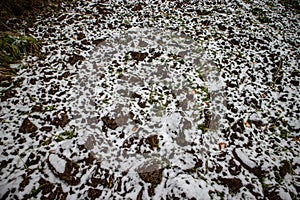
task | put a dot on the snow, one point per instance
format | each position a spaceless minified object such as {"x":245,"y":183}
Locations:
{"x":284,"y":195}
{"x":245,"y":159}
{"x":184,"y":185}
{"x":58,"y":163}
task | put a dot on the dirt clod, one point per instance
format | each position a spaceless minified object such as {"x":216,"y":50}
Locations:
{"x":234,"y":184}
{"x":109,"y":122}
{"x":27,"y":126}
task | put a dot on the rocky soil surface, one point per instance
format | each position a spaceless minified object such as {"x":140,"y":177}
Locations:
{"x":156,"y":100}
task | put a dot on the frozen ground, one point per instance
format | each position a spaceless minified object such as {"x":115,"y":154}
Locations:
{"x":156,"y":100}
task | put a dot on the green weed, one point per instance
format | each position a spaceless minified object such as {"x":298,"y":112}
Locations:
{"x":49,"y":108}
{"x":35,"y":191}
{"x":65,"y":135}
{"x":15,"y":46}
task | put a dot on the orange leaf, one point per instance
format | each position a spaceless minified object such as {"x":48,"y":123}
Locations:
{"x":110,"y":182}
{"x":296,"y":139}
{"x":248,"y":124}
{"x":222,"y":145}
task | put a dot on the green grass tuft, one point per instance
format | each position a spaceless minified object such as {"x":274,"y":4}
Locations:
{"x":13,"y":47}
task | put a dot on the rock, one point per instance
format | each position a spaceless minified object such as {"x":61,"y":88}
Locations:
{"x":180,"y":140}
{"x":66,"y":74}
{"x":285,"y":168}
{"x":247,"y":163}
{"x":98,"y":41}
{"x":151,"y":172}
{"x":219,"y":168}
{"x":46,"y":129}
{"x":54,"y":89}
{"x":61,"y":121}
{"x":27,"y":127}
{"x":235,"y":42}
{"x":243,"y":159}
{"x":75,"y":58}
{"x":131,"y":115}
{"x":222,"y":27}
{"x":37,"y":108}
{"x":153,"y":141}
{"x":94,"y":193}
{"x":3,"y":164}
{"x":64,"y":169}
{"x":51,"y":191}
{"x":8,"y":94}
{"x":25,"y":182}
{"x":234,"y":184}
{"x":142,"y":104}
{"x":138,"y":56}
{"x":90,"y":142}
{"x":109,"y":122}
{"x":90,"y":159}
{"x":80,"y":36}
{"x":138,"y":7}
{"x":136,"y":95}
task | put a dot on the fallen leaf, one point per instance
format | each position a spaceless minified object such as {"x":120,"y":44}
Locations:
{"x":222,"y":145}
{"x":248,"y":124}
{"x":52,"y":151}
{"x":110,"y":182}
{"x":134,"y":128}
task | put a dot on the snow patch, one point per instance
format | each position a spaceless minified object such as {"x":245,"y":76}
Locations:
{"x":58,"y":163}
{"x":245,"y":158}
{"x":284,"y":195}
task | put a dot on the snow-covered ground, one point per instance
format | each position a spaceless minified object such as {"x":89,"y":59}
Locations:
{"x":156,"y":100}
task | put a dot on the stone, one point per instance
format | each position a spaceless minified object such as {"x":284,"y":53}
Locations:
{"x":234,"y":184}
{"x":27,"y":127}
{"x":68,"y":173}
{"x":109,"y":122}
{"x":94,"y":193}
